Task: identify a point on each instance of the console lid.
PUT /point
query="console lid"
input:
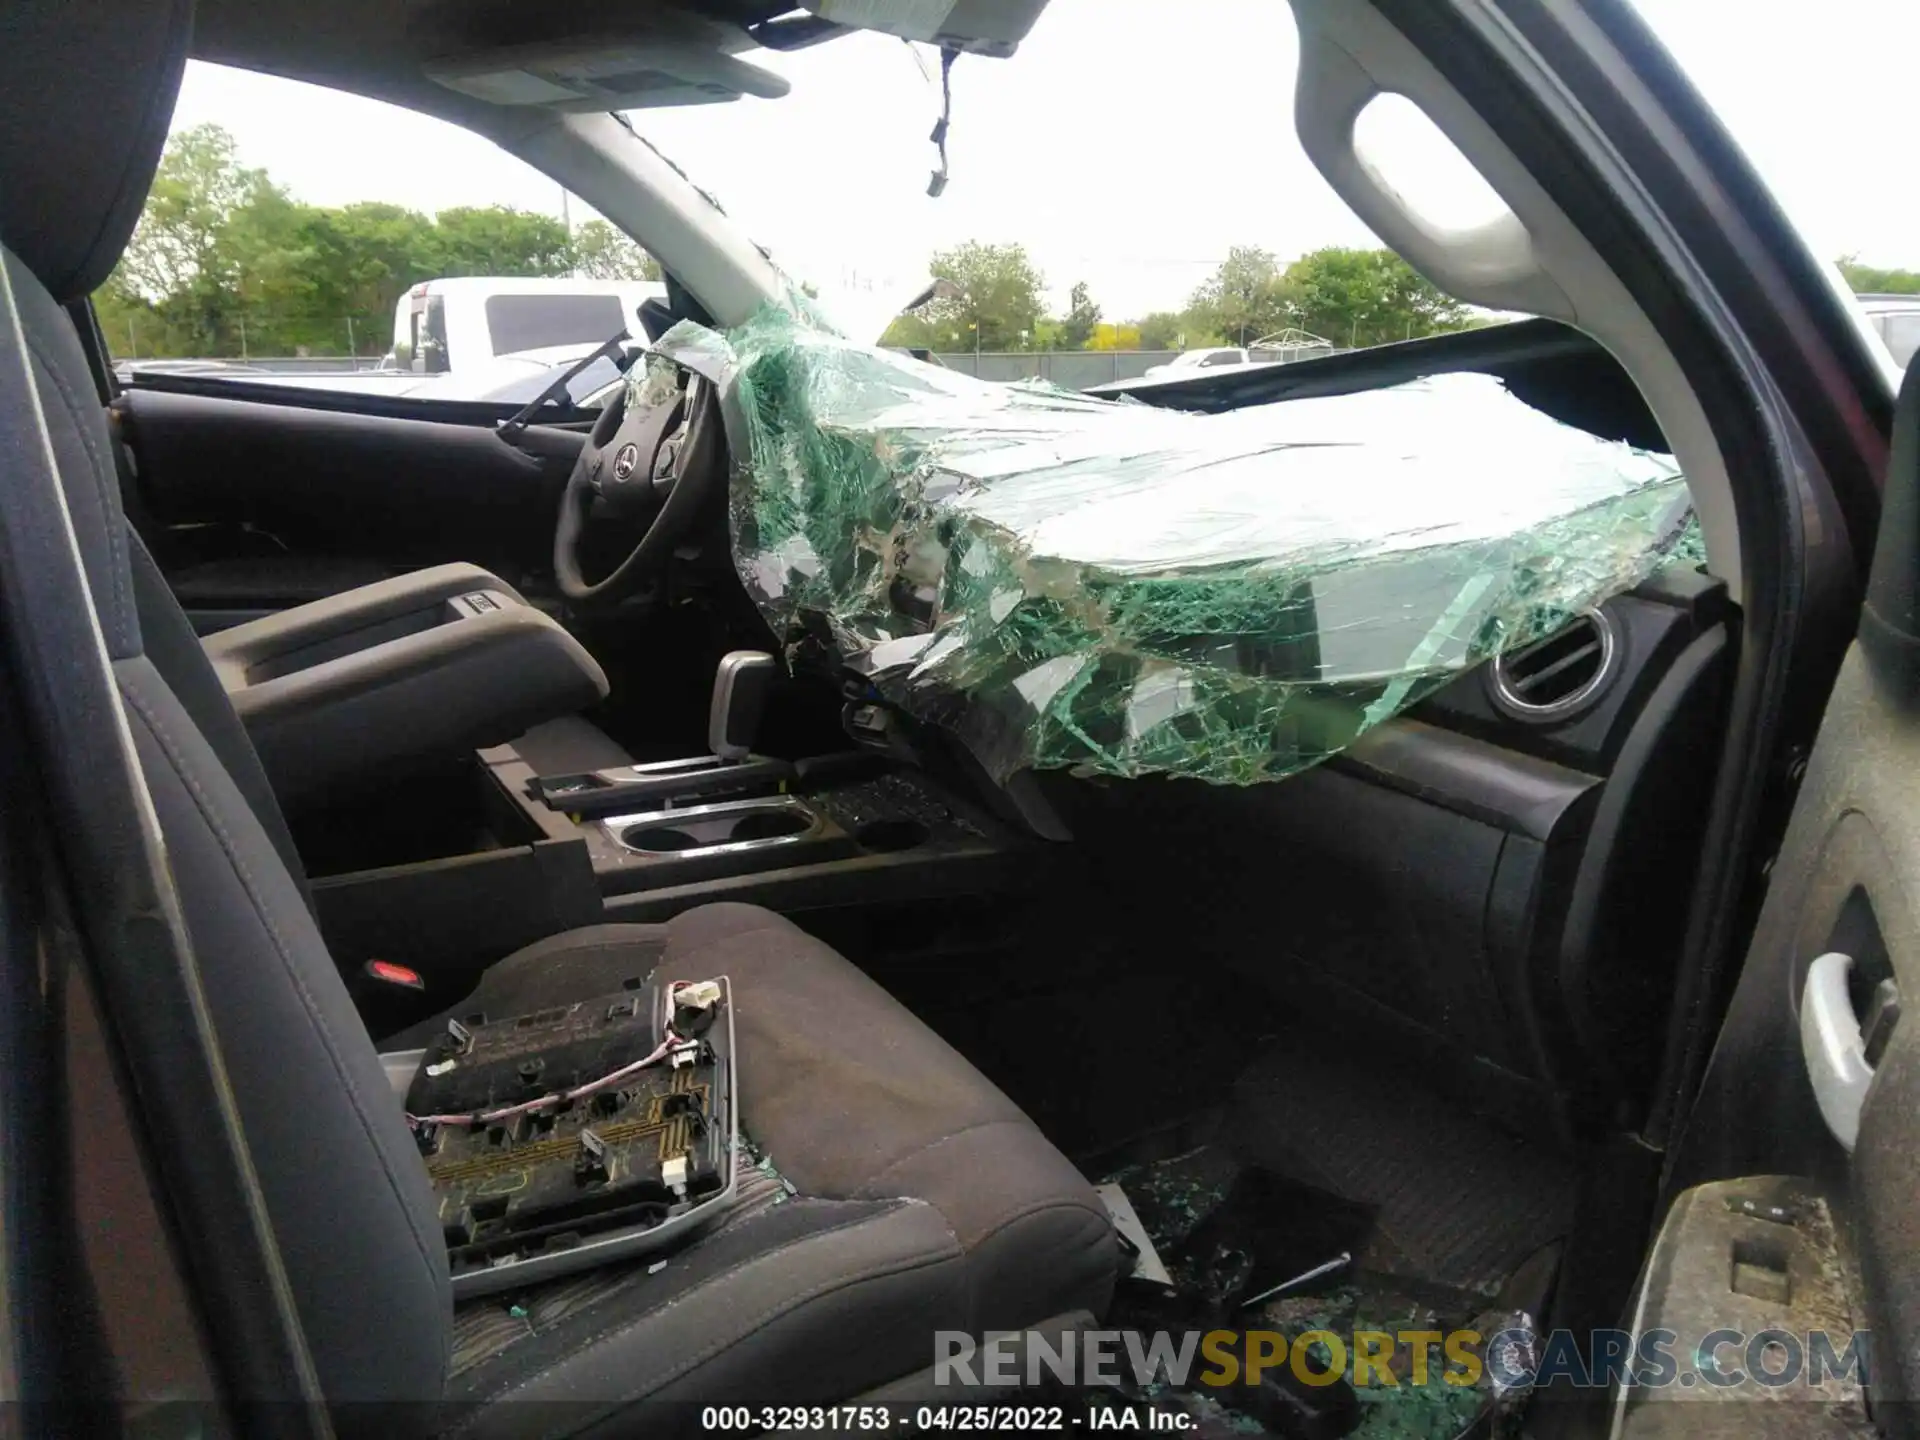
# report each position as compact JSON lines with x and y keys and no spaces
{"x":364,"y":684}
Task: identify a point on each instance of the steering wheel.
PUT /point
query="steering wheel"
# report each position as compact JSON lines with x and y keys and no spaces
{"x":654,"y":468}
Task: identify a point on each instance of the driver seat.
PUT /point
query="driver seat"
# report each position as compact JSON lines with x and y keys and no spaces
{"x":916,"y":1197}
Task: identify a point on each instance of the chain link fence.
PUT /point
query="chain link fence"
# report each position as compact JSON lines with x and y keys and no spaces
{"x":1069,"y":369}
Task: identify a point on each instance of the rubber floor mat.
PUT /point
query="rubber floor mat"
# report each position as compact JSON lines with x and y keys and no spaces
{"x":1457,"y":1201}
{"x":1204,"y":1205}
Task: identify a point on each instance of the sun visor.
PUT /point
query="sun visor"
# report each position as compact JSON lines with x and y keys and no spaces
{"x":1115,"y":588}
{"x":627,"y":73}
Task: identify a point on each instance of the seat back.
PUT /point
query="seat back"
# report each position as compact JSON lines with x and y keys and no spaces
{"x":86,"y":92}
{"x":168,"y":640}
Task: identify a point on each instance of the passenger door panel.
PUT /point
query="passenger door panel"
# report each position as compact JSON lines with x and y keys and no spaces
{"x":1842,"y":884}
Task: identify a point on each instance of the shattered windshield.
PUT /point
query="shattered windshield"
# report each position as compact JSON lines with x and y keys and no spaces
{"x":1118,"y":589}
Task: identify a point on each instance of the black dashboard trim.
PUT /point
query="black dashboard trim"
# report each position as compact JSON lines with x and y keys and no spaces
{"x":1508,"y":789}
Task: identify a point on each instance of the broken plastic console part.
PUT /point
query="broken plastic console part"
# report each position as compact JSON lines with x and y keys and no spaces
{"x":1069,"y":582}
{"x":577,"y":1135}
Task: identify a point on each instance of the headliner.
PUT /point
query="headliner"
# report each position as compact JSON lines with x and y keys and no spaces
{"x":377,"y":47}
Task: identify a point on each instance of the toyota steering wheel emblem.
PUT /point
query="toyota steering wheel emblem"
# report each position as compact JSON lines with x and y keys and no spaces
{"x":625,"y":462}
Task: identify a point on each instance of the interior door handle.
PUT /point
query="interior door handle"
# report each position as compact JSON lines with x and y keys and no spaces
{"x":1835,"y":1049}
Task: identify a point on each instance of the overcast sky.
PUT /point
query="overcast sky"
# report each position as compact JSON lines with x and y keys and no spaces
{"x":1123,"y":145}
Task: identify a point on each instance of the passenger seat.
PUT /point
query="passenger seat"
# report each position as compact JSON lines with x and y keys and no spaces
{"x":923,"y":1199}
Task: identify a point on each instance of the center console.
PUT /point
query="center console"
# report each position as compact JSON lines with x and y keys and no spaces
{"x":641,"y":843}
{"x":733,"y":823}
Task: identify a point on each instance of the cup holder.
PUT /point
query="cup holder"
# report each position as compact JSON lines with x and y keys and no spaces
{"x":716,"y":829}
{"x":769,"y":825}
{"x":658,"y":839}
{"x":887,"y":837}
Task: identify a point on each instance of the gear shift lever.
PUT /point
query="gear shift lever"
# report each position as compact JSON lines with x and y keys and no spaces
{"x":741,"y":686}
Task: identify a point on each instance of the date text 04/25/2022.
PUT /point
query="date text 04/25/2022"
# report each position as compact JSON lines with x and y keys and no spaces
{"x":975,"y":1419}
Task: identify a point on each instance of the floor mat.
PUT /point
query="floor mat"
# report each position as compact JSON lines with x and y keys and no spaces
{"x":1110,"y":1035}
{"x":1458,"y":1202}
{"x":1225,"y":1229}
{"x":1091,"y":1036}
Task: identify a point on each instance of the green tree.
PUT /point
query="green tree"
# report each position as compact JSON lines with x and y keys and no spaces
{"x":995,"y":298}
{"x":1050,"y":334}
{"x":601,"y":252}
{"x":1162,"y":330}
{"x":912,"y":332}
{"x":132,"y":326}
{"x":198,"y":254}
{"x":365,"y":256}
{"x":1869,"y":280}
{"x":225,"y":262}
{"x":1242,"y":300}
{"x":179,"y":240}
{"x":499,"y":240}
{"x":1365,"y":297}
{"x":1082,"y":316}
{"x":274,"y":274}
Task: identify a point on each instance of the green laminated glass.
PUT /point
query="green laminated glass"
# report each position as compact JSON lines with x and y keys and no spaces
{"x":1117,"y":588}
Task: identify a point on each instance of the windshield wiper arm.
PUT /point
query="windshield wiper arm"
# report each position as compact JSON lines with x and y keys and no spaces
{"x":511,"y":427}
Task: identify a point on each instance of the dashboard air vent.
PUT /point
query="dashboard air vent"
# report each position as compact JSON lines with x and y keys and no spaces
{"x":1555,"y":678}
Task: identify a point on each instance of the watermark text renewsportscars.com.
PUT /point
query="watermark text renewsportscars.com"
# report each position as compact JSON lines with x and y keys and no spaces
{"x":1517,"y":1359}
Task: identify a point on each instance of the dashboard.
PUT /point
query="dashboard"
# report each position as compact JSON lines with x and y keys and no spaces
{"x":1495,"y":882}
{"x":1500,"y":894}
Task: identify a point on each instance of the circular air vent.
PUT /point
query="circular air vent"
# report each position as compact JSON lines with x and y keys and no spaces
{"x":1559,"y":676}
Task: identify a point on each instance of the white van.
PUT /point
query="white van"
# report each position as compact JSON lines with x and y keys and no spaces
{"x":443,"y":326}
{"x":1897,"y":319}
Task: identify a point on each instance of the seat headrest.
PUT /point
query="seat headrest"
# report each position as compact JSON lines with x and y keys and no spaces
{"x":86,"y":94}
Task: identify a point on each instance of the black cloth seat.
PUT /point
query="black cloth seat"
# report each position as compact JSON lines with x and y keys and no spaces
{"x":921,"y":1198}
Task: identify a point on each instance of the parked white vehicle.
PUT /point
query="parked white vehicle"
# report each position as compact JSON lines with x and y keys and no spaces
{"x":1194,"y":361}
{"x":1896,"y":319}
{"x":518,"y":376}
{"x":454,"y":325}
{"x":1275,"y":349}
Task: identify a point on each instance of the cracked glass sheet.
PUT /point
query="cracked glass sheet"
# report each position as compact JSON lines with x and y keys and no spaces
{"x":1125,"y":590}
